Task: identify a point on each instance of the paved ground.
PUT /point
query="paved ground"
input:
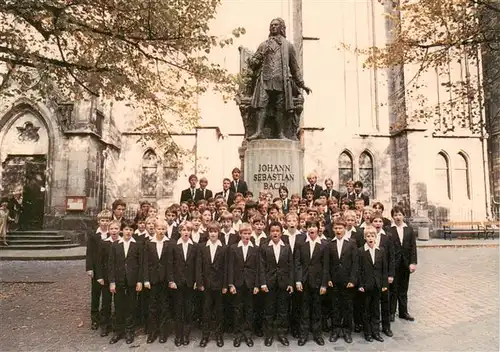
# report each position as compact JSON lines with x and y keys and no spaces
{"x":454,"y":297}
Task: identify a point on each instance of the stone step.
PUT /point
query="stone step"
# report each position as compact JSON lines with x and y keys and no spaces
{"x":17,"y":241}
{"x":33,"y":233}
{"x":39,"y":246}
{"x":15,"y":236}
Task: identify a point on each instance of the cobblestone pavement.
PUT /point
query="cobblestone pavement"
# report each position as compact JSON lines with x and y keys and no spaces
{"x":454,"y":295}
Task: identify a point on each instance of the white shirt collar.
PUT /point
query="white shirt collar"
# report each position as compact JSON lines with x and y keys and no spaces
{"x":317,"y":240}
{"x":110,"y":239}
{"x":101,"y":232}
{"x":231,"y":231}
{"x":164,"y":239}
{"x":394,"y":225}
{"x":189,"y":241}
{"x":280,"y":243}
{"x":287,"y":233}
{"x":382,"y":232}
{"x":240,"y":243}
{"x":342,"y":239}
{"x":367,"y":247}
{"x":217,"y":243}
{"x":122,"y":240}
{"x":262,"y":235}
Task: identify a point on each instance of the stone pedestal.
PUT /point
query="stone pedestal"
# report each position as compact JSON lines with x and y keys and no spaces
{"x":271,"y":163}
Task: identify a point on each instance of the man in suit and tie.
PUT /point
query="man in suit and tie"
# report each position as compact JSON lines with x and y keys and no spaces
{"x":203,"y":192}
{"x":329,"y":192}
{"x":311,"y":278}
{"x":125,"y":279}
{"x":343,"y":271}
{"x":358,"y":193}
{"x":312,"y":178}
{"x":190,"y":193}
{"x":226,"y":193}
{"x":285,"y":202}
{"x":238,"y":185}
{"x":405,"y":259}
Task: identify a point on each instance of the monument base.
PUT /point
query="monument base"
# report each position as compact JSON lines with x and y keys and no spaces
{"x":271,"y":163}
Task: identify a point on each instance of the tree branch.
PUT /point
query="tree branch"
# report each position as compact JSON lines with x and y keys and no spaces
{"x":486,"y":4}
{"x":7,"y":75}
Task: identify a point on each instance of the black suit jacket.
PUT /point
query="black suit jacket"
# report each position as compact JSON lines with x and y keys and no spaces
{"x":406,"y":251}
{"x":317,"y":191}
{"x":386,"y":242}
{"x":155,"y":268}
{"x":179,"y":270}
{"x":353,"y":196}
{"x":243,"y":271}
{"x":102,"y":268}
{"x":331,"y":194}
{"x":125,"y":270}
{"x":276,"y":275}
{"x":372,"y":276}
{"x":213,"y":276}
{"x":174,"y":236}
{"x":344,"y":269}
{"x":230,"y":198}
{"x":199,"y":194}
{"x":234,"y":238}
{"x":92,"y":253}
{"x":312,"y":271}
{"x":242,"y":187}
{"x":186,"y":195}
{"x":300,"y":238}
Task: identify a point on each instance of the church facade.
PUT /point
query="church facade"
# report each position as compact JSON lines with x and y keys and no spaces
{"x":72,"y":159}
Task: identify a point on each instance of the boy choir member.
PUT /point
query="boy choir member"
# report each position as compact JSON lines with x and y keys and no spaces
{"x":276,"y":281}
{"x":118,"y":208}
{"x":228,"y":236}
{"x":227,"y":193}
{"x":92,"y":261}
{"x":329,"y":192}
{"x":181,"y":268}
{"x":343,"y":271}
{"x":405,"y":259}
{"x":102,"y":276}
{"x":311,"y":276}
{"x":242,"y":279}
{"x":211,"y":279}
{"x":172,"y":231}
{"x":384,"y":240}
{"x":155,"y":280}
{"x":285,"y":202}
{"x":294,"y":238}
{"x":373,"y":281}
{"x":198,"y":234}
{"x":125,"y":279}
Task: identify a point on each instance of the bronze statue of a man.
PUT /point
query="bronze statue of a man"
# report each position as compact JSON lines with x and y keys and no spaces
{"x":276,"y":62}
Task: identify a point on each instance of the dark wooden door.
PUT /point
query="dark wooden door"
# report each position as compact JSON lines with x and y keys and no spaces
{"x":27,"y":172}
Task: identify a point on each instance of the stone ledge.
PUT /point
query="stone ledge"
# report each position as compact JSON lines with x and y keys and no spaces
{"x":76,"y":253}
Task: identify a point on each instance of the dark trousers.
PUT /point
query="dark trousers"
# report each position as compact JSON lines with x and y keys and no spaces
{"x":197,"y":306}
{"x":385,"y":299}
{"x":295,"y":312}
{"x":158,"y":314}
{"x":107,"y":297}
{"x":183,"y":310}
{"x":371,"y":311}
{"x":399,"y":289}
{"x":125,"y":300}
{"x":326,"y":308}
{"x":259,"y":310}
{"x":142,"y":310}
{"x":311,"y":312}
{"x":212,"y":305}
{"x":276,"y":309}
{"x":228,"y":306}
{"x":342,"y":306}
{"x":95,"y":298}
{"x":243,"y":312}
{"x":357,"y":308}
